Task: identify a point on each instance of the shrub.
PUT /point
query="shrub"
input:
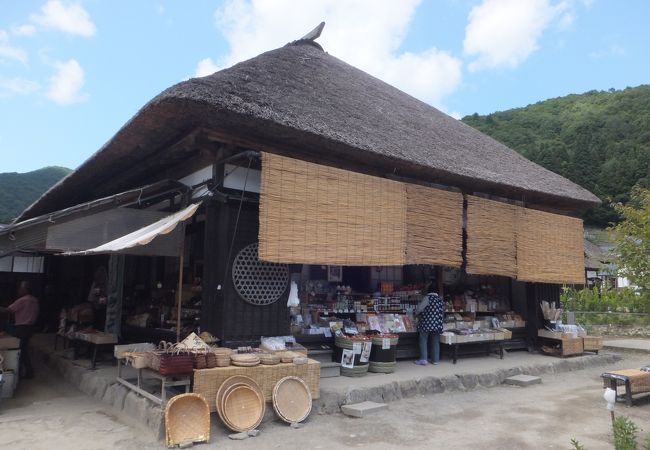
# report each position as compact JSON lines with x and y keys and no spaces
{"x":624,"y":434}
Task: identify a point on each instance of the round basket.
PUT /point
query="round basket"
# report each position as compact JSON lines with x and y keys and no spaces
{"x":221,"y":351}
{"x":356,"y":371}
{"x":270,"y":359}
{"x":381,"y":355}
{"x":244,"y":360}
{"x":187,"y":419}
{"x":287,"y":357}
{"x":242,"y":408}
{"x":381,"y":367}
{"x":292,"y":399}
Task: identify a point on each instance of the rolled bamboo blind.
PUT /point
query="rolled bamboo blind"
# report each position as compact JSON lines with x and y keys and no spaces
{"x":434,"y":223}
{"x":491,"y":237}
{"x":550,"y":248}
{"x":314,"y":214}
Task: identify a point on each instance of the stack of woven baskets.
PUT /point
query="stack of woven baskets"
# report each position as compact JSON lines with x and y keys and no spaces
{"x":240,"y":403}
{"x":245,"y":359}
{"x":383,"y":354}
{"x":219,"y":357}
{"x":359,"y":365}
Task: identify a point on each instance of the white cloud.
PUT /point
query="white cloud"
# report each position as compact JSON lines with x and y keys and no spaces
{"x":610,"y":50}
{"x":24,"y":30}
{"x":9,"y":52}
{"x":503,"y":33}
{"x":67,"y":17}
{"x":17,"y":86}
{"x":205,"y":67}
{"x":66,"y":84}
{"x":364,"y":33}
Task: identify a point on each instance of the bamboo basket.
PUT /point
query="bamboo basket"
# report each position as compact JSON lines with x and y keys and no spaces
{"x":187,"y":419}
{"x":242,"y":408}
{"x":292,"y":399}
{"x":208,"y":381}
{"x":139,"y":360}
{"x":592,"y":343}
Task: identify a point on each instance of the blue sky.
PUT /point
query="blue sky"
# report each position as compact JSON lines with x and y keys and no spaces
{"x":73,"y":72}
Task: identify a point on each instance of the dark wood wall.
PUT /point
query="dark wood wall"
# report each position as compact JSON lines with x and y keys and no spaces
{"x":224,"y":313}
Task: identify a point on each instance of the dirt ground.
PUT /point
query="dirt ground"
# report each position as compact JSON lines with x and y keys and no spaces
{"x":48,"y":413}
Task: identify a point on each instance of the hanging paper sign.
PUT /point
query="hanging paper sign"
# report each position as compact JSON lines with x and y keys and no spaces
{"x":356,"y":347}
{"x":385,"y":343}
{"x":347,"y":359}
{"x":365,"y":354}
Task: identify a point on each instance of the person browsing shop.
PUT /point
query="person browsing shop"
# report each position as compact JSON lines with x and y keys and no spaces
{"x":25,"y":311}
{"x":430,"y":316}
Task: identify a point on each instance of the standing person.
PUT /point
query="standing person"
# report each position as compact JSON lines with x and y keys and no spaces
{"x":430,"y":314}
{"x":25,"y":310}
{"x":97,"y":297}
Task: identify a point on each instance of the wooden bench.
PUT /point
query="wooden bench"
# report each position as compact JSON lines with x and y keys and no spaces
{"x":635,"y":381}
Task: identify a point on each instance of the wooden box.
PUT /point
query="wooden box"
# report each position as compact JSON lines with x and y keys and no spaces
{"x":592,"y":343}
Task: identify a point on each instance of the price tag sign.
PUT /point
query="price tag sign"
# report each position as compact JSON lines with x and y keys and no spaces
{"x":385,"y":343}
{"x":365,"y":354}
{"x":327,"y":332}
{"x":356,"y":347}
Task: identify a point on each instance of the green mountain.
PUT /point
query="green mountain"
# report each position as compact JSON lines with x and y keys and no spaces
{"x":599,"y":140}
{"x":19,"y":190}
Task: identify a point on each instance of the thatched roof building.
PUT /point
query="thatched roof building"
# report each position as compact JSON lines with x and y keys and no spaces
{"x":303,"y":102}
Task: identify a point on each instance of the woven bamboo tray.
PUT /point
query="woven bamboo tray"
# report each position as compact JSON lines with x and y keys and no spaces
{"x":242,"y":408}
{"x":292,"y":399}
{"x":236,"y":380}
{"x":187,"y":419}
{"x":208,"y":381}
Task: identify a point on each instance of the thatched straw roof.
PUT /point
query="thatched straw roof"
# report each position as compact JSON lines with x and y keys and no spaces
{"x":299,"y":97}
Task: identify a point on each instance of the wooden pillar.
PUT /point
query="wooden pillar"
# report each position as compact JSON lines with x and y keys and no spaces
{"x":114,"y":294}
{"x":214,"y":266}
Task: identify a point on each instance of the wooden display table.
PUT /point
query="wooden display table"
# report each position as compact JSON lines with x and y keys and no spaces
{"x":165,"y":382}
{"x":97,"y":341}
{"x":569,"y":345}
{"x":208,"y":381}
{"x":485,"y":347}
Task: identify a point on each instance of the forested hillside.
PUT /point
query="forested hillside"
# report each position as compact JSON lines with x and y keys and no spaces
{"x":19,"y":190}
{"x":599,"y":139}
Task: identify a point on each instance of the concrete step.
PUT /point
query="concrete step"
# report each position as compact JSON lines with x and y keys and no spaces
{"x":522,"y":380}
{"x":363,"y":409}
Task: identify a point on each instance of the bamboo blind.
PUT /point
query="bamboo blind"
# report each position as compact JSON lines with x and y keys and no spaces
{"x":491,"y":237}
{"x":550,"y":248}
{"x":434,"y":226}
{"x":314,"y":214}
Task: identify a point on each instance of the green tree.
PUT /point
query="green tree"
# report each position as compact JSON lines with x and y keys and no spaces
{"x":632,"y":237}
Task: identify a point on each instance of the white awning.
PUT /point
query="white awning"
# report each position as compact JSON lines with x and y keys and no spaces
{"x":144,"y":235}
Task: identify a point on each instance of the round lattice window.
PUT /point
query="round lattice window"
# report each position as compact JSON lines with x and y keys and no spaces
{"x":258,"y":282}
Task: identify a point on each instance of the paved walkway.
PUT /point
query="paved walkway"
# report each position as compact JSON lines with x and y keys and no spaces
{"x":641,"y":345}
